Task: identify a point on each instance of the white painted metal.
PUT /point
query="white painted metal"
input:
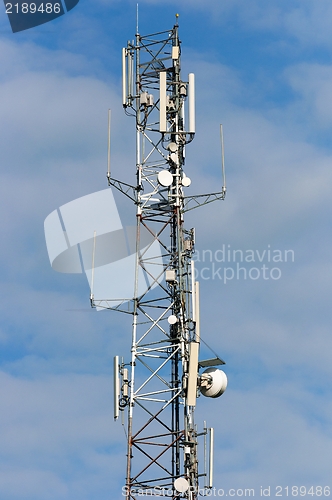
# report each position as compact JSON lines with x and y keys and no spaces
{"x":109,"y":146}
{"x":198,"y":326}
{"x":213,"y":382}
{"x":93,"y":265}
{"x":124,"y":77}
{"x":193,"y":292}
{"x":211,"y":457}
{"x":162,"y":101}
{"x":191,"y":96}
{"x":172,"y":147}
{"x":205,"y":454}
{"x":186,"y":181}
{"x":165,"y":178}
{"x":116,"y":387}
{"x":193,"y":373}
{"x":222,"y":159}
{"x":175,"y":52}
{"x":181,"y":484}
{"x":172,"y":319}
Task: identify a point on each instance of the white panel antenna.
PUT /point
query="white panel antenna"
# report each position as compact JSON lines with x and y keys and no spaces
{"x":124,"y":77}
{"x":116,"y":387}
{"x":193,"y":291}
{"x":191,"y":103}
{"x":208,"y":474}
{"x":127,"y":77}
{"x":198,"y":326}
{"x":193,"y":374}
{"x":162,"y":102}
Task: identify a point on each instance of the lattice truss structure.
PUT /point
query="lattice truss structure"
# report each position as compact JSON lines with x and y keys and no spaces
{"x":157,"y":388}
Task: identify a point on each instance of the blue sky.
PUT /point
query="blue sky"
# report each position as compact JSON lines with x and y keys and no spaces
{"x":264,"y":70}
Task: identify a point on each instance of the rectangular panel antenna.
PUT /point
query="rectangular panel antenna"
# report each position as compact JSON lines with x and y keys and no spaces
{"x":198,"y":326}
{"x":124,"y":77}
{"x":193,"y":372}
{"x":116,"y":390}
{"x":191,"y":103}
{"x":162,"y":101}
{"x":193,"y":295}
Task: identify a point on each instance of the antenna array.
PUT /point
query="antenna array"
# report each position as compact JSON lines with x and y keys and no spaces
{"x":157,"y":387}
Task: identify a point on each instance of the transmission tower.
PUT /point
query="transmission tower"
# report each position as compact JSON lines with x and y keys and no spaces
{"x":157,"y":387}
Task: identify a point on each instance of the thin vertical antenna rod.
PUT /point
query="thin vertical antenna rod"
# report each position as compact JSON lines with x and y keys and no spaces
{"x":137,"y":18}
{"x":211,"y":457}
{"x":205,"y":454}
{"x":193,"y":292}
{"x":222,"y":159}
{"x":93,"y":266}
{"x":109,"y":146}
{"x":116,"y":389}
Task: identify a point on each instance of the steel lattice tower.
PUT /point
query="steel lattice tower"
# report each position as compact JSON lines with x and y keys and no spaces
{"x":157,"y":387}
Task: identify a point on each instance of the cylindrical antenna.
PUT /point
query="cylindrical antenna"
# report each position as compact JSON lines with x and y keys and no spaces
{"x":93,"y":265}
{"x":198,"y":326}
{"x":211,"y":445}
{"x":191,"y":103}
{"x":222,"y":159}
{"x":137,"y":19}
{"x":124,"y":77}
{"x":109,"y":146}
{"x":162,"y":102}
{"x":116,"y":391}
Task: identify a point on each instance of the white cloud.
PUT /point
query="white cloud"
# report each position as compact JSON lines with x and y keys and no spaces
{"x":273,"y":434}
{"x":56,"y":437}
{"x":312,"y":84}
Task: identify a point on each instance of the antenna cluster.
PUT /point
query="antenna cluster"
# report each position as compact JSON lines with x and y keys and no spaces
{"x":156,"y":389}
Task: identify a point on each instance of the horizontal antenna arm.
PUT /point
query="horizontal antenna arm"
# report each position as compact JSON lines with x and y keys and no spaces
{"x":123,"y":187}
{"x":201,"y":199}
